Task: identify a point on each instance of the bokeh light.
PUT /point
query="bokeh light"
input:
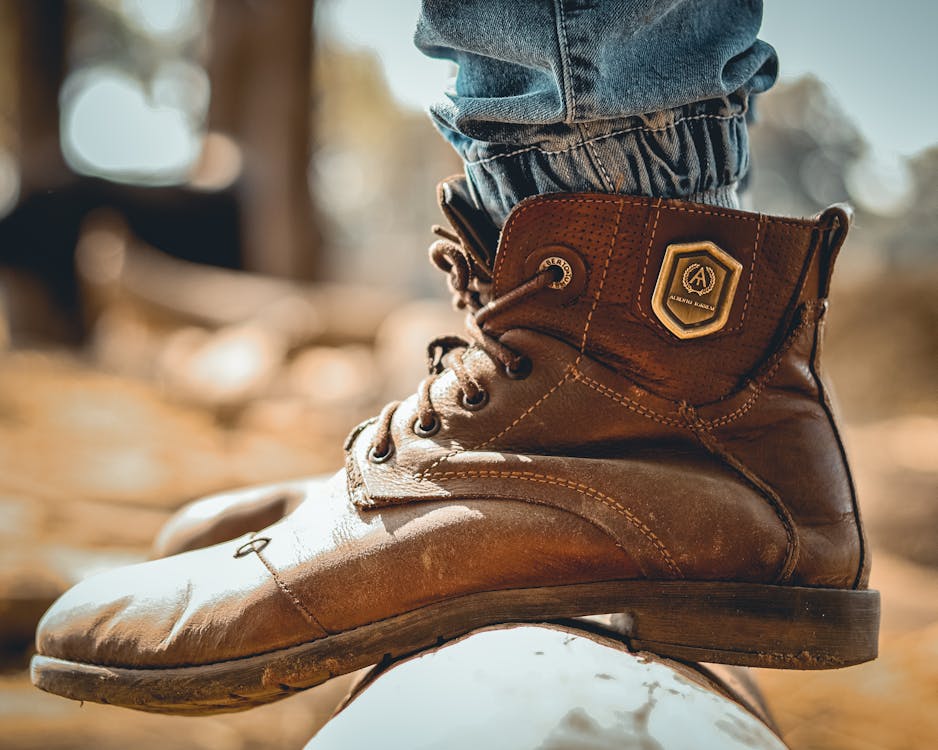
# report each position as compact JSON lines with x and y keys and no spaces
{"x":111,"y":128}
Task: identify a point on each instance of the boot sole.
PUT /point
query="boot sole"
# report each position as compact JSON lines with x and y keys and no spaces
{"x":748,"y":624}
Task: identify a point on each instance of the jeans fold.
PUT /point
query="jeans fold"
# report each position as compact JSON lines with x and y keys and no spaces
{"x":644,"y":97}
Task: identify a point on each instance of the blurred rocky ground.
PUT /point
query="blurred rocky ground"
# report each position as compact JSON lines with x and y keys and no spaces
{"x":193,"y":379}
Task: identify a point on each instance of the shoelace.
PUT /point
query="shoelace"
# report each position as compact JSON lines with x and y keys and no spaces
{"x":471,"y":288}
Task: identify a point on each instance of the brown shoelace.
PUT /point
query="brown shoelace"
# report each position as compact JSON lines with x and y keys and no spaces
{"x":471,"y":288}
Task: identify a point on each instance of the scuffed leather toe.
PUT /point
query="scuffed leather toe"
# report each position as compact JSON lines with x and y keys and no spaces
{"x":189,"y":609}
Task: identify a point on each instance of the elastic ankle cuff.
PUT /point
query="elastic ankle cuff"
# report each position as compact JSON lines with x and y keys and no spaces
{"x":725,"y":197}
{"x":694,"y":153}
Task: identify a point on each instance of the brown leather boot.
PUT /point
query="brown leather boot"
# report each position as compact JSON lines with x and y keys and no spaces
{"x":638,"y":425}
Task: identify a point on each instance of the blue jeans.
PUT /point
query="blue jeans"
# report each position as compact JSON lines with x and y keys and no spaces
{"x":645,"y":97}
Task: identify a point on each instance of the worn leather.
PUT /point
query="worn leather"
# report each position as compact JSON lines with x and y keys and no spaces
{"x":226,"y":516}
{"x":625,"y":453}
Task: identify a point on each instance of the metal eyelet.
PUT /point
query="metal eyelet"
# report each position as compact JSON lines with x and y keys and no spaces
{"x":380,"y":458}
{"x":563,"y":271}
{"x":253,"y":545}
{"x":569,"y":273}
{"x":521,"y":370}
{"x":480,"y":400}
{"x":426,"y":432}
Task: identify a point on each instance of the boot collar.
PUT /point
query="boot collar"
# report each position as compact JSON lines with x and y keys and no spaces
{"x":475,"y":229}
{"x":686,"y":299}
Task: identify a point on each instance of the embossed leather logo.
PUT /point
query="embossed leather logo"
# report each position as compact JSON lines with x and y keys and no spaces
{"x":695,"y":290}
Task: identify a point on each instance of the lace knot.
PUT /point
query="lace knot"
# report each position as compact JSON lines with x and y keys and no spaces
{"x":471,"y":286}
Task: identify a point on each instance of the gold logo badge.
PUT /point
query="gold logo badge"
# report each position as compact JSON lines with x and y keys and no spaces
{"x":695,"y":289}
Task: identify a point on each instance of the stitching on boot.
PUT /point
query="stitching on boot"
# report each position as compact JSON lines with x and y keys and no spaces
{"x":651,"y":241}
{"x":569,"y":371}
{"x":354,"y":482}
{"x":825,"y":402}
{"x":566,"y":376}
{"x":531,"y":476}
{"x":625,"y":401}
{"x":744,"y":216}
{"x":307,"y":615}
{"x":513,"y":219}
{"x":760,"y":231}
{"x":760,"y":235}
{"x":793,"y":544}
{"x":602,"y":284}
{"x":757,"y":385}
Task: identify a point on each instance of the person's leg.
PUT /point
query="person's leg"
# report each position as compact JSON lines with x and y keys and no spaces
{"x":641,"y":97}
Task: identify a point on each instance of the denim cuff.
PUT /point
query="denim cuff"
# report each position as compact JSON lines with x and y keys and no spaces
{"x":698,"y":152}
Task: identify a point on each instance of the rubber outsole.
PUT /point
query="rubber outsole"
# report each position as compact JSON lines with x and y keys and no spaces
{"x":758,"y":625}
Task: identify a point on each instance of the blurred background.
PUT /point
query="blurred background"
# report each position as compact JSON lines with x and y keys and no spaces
{"x":192,"y":192}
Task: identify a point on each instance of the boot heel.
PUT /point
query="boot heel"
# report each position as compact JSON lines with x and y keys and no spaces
{"x":755,"y":625}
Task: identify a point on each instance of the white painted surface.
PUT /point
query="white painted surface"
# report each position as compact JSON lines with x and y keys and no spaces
{"x":537,"y":687}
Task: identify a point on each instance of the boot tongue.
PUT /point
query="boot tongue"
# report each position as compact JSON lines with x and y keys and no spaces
{"x":476,"y":230}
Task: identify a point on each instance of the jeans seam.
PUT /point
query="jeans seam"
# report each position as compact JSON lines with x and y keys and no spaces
{"x":736,"y":116}
{"x":569,"y":98}
{"x":594,"y":155}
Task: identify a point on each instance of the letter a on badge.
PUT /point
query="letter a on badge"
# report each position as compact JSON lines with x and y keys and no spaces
{"x":696,"y":288}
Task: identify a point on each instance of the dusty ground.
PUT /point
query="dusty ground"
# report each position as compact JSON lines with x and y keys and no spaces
{"x":92,"y":463}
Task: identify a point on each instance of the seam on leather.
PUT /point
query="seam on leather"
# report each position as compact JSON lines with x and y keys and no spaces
{"x":602,"y":284}
{"x":534,"y":203}
{"x":793,"y":545}
{"x":742,"y":216}
{"x":531,"y":476}
{"x":825,"y":403}
{"x":757,"y":386}
{"x":353,"y":478}
{"x":625,"y":401}
{"x":566,"y":376}
{"x":760,"y":232}
{"x":651,"y":242}
{"x":288,"y":592}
